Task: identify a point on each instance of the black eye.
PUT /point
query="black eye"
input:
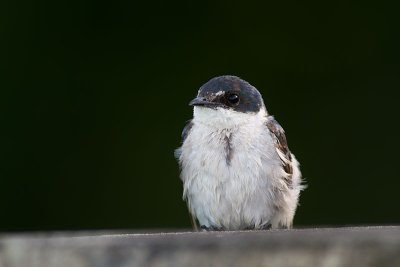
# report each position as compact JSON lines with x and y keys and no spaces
{"x":233,"y":99}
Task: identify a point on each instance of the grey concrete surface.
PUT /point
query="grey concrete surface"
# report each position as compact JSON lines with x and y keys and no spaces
{"x":352,"y":246}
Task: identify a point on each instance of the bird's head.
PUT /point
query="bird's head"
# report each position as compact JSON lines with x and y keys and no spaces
{"x":227,"y":99}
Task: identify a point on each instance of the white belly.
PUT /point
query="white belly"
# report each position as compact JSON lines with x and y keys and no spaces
{"x":235,"y":191}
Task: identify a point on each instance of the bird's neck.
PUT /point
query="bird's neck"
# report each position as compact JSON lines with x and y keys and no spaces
{"x":221,"y":118}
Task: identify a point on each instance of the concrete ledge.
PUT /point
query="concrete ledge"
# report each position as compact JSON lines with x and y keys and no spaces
{"x":357,"y":246}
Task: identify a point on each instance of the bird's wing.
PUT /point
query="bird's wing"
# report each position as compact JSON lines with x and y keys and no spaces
{"x":185,"y":133}
{"x":186,"y":130}
{"x":281,"y":147}
{"x":194,"y":222}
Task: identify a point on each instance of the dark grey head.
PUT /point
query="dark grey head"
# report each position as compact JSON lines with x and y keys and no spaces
{"x":229,"y":92}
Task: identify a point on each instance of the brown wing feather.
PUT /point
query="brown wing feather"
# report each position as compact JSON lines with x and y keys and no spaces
{"x":195,"y":224}
{"x":281,"y":146}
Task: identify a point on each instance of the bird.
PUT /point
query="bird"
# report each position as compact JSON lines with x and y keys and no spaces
{"x":235,"y":164}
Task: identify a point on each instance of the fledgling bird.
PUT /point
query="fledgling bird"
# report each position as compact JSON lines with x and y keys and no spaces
{"x":237,"y":170}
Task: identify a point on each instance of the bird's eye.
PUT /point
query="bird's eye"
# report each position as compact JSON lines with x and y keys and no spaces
{"x":233,"y":99}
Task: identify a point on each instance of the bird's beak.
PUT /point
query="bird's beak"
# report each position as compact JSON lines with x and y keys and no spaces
{"x":200,"y":101}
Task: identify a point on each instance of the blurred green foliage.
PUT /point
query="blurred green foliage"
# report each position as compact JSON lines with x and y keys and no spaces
{"x":93,"y":98}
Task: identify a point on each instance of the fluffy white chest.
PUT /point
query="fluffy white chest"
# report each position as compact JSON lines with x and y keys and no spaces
{"x":231,"y":172}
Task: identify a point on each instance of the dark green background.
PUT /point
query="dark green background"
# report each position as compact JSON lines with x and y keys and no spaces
{"x":93,"y":98}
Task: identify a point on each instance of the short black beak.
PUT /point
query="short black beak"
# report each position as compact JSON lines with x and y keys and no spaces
{"x":200,"y":101}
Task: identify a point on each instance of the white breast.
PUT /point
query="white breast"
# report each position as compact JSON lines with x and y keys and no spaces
{"x":236,"y":190}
